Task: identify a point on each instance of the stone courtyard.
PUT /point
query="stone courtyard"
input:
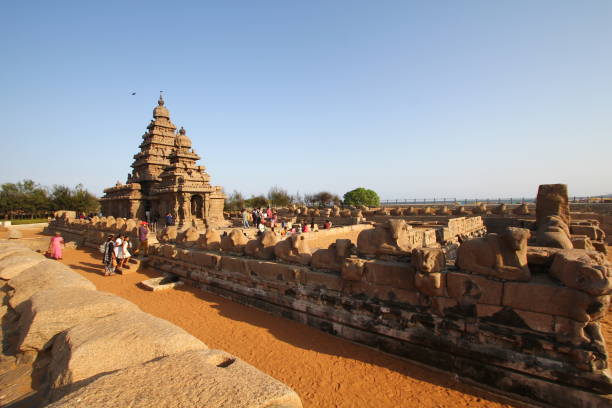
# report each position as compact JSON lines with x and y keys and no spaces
{"x":508,"y":299}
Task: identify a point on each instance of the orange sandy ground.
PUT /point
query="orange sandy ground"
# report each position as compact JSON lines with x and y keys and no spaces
{"x":324,"y":370}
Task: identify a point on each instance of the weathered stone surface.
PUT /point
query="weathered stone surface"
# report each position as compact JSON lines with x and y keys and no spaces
{"x":544,"y":296}
{"x":161,"y":283}
{"x":46,"y":275}
{"x":294,"y":249}
{"x":541,"y":255}
{"x":326,"y":280}
{"x":431,"y":284}
{"x":207,"y":378}
{"x":501,"y":256}
{"x":273,"y":271}
{"x":206,"y":259}
{"x":474,"y":288}
{"x":10,"y":250}
{"x":263,"y":246}
{"x":392,"y":237}
{"x":587,"y":271}
{"x":428,"y":260}
{"x":352,"y":269}
{"x":50,"y":311}
{"x":115,"y":342}
{"x":395,"y":274}
{"x":12,"y":266}
{"x":332,"y":257}
{"x":553,"y":232}
{"x":552,"y":199}
{"x":234,"y":264}
{"x":537,"y":321}
{"x":234,"y":242}
{"x":211,"y":240}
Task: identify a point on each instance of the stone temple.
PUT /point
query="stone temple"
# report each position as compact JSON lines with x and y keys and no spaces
{"x":166,"y":179}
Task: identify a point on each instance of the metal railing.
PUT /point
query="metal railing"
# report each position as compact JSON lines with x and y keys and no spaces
{"x":511,"y":200}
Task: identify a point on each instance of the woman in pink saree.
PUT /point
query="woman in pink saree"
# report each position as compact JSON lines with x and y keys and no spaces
{"x":55,"y":246}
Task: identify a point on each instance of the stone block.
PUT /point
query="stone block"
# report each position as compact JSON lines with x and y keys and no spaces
{"x":46,"y":275}
{"x":274,"y":271}
{"x":234,"y":265}
{"x":395,"y":274}
{"x":352,"y":269}
{"x":51,"y":311}
{"x":483,"y":311}
{"x":440,"y":305}
{"x":431,"y":284}
{"x":159,"y":284}
{"x":478,"y":288}
{"x":112,"y":343}
{"x":544,"y":296}
{"x":327,"y":280}
{"x":590,"y":231}
{"x":207,"y":260}
{"x":12,"y":266}
{"x":541,"y":255}
{"x":206,"y":378}
{"x":10,"y":250}
{"x":537,"y":321}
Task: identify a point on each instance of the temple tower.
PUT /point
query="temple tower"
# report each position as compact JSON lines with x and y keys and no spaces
{"x":166,"y":179}
{"x":155,"y":149}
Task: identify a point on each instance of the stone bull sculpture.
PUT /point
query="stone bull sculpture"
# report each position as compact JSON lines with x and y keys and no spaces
{"x":391,"y":238}
{"x":332,"y":257}
{"x":500,"y":256}
{"x":293,"y":249}
{"x":263,"y":246}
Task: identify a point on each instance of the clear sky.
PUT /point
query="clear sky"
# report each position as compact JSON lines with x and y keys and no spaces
{"x":413,"y":99}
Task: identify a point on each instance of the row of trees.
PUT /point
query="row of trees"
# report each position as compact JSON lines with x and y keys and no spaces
{"x":279,"y":197}
{"x":29,"y":199}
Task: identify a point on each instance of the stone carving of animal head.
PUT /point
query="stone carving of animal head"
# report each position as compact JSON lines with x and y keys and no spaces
{"x":587,"y":271}
{"x":396,"y":227}
{"x":516,"y":238}
{"x":428,"y":260}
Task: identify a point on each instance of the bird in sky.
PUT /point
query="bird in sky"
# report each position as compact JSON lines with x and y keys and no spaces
{"x":133,"y":93}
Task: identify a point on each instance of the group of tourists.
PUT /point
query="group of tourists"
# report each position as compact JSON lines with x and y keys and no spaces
{"x":116,"y":253}
{"x":116,"y":250}
{"x":268,"y":217}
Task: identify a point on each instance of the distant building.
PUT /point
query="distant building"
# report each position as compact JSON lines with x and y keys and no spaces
{"x":165,"y":179}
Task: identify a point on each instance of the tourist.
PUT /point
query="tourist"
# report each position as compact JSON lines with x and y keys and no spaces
{"x":143,"y":236}
{"x":118,"y":249}
{"x":254,"y":215}
{"x":245,"y":218}
{"x":55,"y":246}
{"x":268,"y":213}
{"x":109,"y":259}
{"x":262,"y":227}
{"x":305,"y":227}
{"x":327,"y":224}
{"x":169,"y":220}
{"x":125,"y":252}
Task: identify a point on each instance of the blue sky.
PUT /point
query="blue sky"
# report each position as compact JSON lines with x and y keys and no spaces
{"x":412,"y":99}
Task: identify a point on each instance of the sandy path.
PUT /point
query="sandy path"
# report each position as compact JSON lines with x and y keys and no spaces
{"x":326,"y":371}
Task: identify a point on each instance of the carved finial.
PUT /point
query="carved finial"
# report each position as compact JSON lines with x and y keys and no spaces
{"x":160,"y":102}
{"x":182,"y":131}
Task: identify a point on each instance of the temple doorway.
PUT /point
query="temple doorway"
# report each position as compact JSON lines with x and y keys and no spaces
{"x":197,"y":204}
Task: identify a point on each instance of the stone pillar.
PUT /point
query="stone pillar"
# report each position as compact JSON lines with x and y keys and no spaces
{"x":552,"y":200}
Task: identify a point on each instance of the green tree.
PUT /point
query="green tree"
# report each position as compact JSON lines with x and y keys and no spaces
{"x":235,"y":201}
{"x":362,"y":196}
{"x":257,"y":201}
{"x":279,"y":197}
